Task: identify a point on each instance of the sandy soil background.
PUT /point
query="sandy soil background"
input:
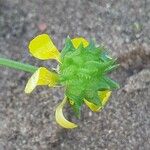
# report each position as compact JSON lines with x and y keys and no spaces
{"x":27,"y":121}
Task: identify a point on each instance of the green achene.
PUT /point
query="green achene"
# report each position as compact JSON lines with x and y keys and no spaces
{"x":83,"y":72}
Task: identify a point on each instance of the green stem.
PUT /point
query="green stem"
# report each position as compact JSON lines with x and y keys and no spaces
{"x":17,"y":65}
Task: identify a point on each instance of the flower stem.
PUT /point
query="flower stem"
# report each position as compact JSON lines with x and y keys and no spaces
{"x":17,"y":65}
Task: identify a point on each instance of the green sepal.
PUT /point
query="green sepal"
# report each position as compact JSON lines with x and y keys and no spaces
{"x":92,"y":96}
{"x":103,"y":85}
{"x":111,"y":68}
{"x":68,"y":47}
{"x":91,"y":45}
{"x":77,"y":103}
{"x":113,"y":85}
{"x":107,"y":64}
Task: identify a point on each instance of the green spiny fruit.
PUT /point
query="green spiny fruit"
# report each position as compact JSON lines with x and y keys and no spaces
{"x":83,"y":73}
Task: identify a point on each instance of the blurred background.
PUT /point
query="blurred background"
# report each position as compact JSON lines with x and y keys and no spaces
{"x":27,"y":121}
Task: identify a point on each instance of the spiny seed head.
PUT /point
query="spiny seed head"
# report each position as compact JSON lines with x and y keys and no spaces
{"x":83,"y":73}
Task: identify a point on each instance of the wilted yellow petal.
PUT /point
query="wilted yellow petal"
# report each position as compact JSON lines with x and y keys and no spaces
{"x":104,"y":96}
{"x":41,"y":77}
{"x":43,"y":48}
{"x":60,"y":119}
{"x":77,"y":41}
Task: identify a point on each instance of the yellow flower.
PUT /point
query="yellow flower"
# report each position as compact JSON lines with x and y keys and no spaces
{"x":43,"y":48}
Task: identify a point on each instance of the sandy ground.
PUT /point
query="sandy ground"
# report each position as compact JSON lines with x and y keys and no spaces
{"x":27,"y":121}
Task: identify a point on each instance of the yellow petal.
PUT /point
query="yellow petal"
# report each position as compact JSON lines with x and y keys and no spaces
{"x":91,"y":105}
{"x":60,"y":119}
{"x":41,"y":77}
{"x":43,"y":48}
{"x":77,"y":41}
{"x":104,"y":96}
